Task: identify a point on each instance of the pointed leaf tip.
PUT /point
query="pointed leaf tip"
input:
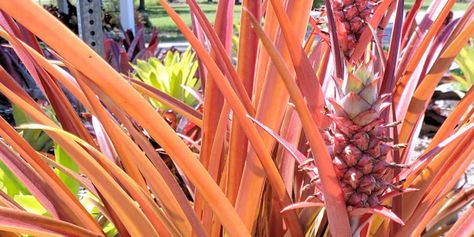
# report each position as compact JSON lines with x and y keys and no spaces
{"x":380,"y":210}
{"x":302,"y":205}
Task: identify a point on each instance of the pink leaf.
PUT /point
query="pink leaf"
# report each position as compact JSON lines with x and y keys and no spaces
{"x":380,"y":210}
{"x":299,"y":157}
{"x":394,"y":193}
{"x":302,"y":205}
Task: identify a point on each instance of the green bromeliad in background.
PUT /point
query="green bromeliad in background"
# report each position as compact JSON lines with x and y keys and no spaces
{"x":175,"y":75}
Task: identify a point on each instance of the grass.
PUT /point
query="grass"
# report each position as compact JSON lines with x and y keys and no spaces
{"x":458,"y":6}
{"x":160,"y":19}
{"x":168,"y":31}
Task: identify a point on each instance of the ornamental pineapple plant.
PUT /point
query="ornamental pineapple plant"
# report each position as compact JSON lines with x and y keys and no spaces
{"x":245,"y":173}
{"x":358,"y":139}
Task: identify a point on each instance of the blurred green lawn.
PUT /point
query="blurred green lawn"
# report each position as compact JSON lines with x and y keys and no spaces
{"x":168,"y":31}
{"x":458,"y":6}
{"x":159,"y":18}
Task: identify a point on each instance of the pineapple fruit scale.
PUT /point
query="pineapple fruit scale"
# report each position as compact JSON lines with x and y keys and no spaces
{"x":358,"y":141}
{"x":352,"y":16}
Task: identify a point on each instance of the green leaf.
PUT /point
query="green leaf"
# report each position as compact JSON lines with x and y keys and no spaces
{"x":86,"y":201}
{"x":30,"y":203}
{"x":19,"y":116}
{"x":64,"y":159}
{"x":36,"y":138}
{"x":9,"y":183}
{"x":465,"y":60}
{"x":110,"y":230}
{"x":169,"y":76}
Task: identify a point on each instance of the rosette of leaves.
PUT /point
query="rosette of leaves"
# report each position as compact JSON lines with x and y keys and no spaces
{"x":174,"y":75}
{"x":465,"y":60}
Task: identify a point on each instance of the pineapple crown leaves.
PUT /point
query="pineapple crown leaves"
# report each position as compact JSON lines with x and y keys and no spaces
{"x":359,"y":77}
{"x":359,"y":96}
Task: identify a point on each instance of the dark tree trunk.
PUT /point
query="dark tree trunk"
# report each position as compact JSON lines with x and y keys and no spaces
{"x":141,"y":6}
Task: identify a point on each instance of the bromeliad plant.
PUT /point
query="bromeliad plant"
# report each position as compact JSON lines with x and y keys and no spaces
{"x":174,"y":75}
{"x":120,"y":52}
{"x":303,"y":136}
{"x":465,"y":60}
